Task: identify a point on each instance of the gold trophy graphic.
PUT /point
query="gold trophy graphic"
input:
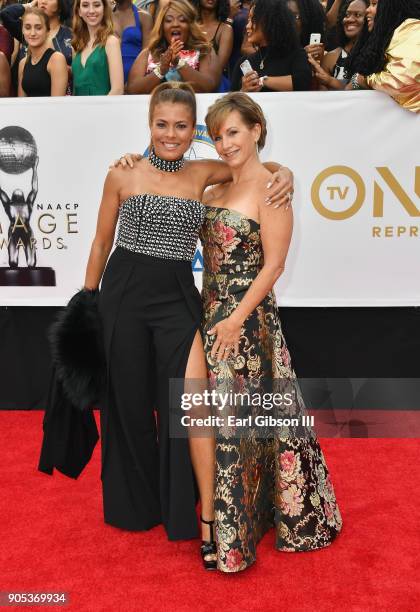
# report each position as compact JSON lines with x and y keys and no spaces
{"x":18,"y":153}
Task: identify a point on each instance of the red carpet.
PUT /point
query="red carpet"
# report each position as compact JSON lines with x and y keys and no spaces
{"x":53,"y":539}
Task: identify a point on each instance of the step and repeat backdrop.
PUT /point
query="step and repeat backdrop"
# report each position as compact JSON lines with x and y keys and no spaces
{"x":355,"y":156}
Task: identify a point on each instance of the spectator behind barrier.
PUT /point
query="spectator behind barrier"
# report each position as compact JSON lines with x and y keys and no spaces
{"x":238,"y":18}
{"x":279,"y":64}
{"x":43,"y":72}
{"x":178,"y":51}
{"x":310,"y":19}
{"x":133,"y":26}
{"x":351,"y":26}
{"x":57,"y":11}
{"x":361,"y":42}
{"x":390,"y":60}
{"x":97,"y":65}
{"x":212,"y":15}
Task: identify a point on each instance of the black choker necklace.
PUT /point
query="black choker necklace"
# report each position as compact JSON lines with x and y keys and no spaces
{"x":164,"y":164}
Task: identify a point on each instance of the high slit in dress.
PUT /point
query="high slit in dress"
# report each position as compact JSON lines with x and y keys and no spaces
{"x":150,"y":311}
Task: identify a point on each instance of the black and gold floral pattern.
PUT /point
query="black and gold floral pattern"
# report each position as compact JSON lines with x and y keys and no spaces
{"x":282,"y":481}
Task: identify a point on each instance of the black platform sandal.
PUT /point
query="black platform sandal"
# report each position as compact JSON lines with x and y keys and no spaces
{"x":209,"y":548}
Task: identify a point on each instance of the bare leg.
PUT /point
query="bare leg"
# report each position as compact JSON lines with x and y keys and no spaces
{"x":202,"y":449}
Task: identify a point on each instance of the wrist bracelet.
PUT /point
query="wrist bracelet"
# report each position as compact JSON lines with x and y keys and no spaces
{"x":156,"y":71}
{"x":354,"y":81}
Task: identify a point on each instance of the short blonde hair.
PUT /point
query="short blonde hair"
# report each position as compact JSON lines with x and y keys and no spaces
{"x":251,"y":113}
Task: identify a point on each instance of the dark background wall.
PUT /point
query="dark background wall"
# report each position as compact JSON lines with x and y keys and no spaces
{"x":324,"y":342}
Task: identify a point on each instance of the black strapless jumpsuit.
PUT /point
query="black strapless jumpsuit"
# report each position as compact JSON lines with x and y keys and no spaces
{"x":151,"y":311}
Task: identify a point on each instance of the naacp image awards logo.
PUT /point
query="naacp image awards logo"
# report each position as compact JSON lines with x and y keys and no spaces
{"x":18,"y":155}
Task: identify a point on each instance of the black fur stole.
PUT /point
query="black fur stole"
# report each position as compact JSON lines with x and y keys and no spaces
{"x":76,"y":342}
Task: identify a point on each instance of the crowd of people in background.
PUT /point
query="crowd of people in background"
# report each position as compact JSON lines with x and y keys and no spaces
{"x":103,"y":47}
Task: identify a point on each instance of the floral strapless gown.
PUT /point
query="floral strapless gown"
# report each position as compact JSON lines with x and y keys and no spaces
{"x":282,"y":481}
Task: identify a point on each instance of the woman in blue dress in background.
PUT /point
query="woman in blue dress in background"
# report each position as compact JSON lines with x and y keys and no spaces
{"x":133,"y":27}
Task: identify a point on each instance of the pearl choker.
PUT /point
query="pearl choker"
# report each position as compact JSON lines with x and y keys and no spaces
{"x":164,"y":164}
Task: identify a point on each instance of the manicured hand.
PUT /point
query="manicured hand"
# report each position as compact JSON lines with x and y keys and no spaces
{"x":281,"y":188}
{"x":176,"y":46}
{"x":227,"y":334}
{"x":128,"y":159}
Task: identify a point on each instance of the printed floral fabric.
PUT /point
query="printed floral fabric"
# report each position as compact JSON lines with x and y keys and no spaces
{"x":280,"y":481}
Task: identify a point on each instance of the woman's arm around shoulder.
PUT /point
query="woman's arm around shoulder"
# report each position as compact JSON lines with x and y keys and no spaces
{"x":210,"y":171}
{"x":115,"y":65}
{"x":58,"y":70}
{"x":216,"y":172}
{"x":105,"y":228}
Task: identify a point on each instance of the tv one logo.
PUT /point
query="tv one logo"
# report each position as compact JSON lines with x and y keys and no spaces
{"x":339,"y":192}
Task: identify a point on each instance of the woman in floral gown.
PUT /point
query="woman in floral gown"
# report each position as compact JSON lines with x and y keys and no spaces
{"x":282,"y":479}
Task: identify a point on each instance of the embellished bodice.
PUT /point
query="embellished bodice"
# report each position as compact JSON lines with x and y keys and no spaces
{"x":231,"y":242}
{"x":160,"y":226}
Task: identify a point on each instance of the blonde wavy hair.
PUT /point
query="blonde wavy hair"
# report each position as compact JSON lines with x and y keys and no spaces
{"x":196,"y":39}
{"x":81,"y":33}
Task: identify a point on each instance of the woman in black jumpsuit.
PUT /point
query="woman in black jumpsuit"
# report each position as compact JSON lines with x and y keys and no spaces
{"x":150,"y":310}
